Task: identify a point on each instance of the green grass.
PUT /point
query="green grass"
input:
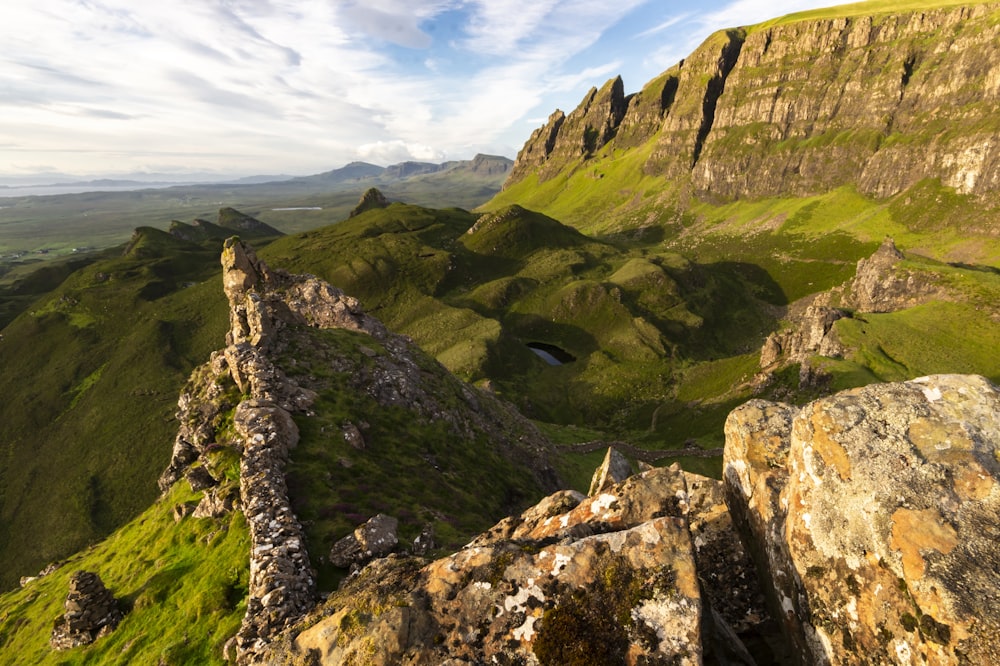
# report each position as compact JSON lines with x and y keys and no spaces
{"x":938,"y":337}
{"x":92,"y":372}
{"x":183,"y":586}
{"x":868,"y":8}
{"x":418,"y":469}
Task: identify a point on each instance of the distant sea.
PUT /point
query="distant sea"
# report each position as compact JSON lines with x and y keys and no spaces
{"x":77,"y":188}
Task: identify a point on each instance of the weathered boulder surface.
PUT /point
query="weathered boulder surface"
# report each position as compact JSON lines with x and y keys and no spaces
{"x":91,"y":612}
{"x":609,"y":579}
{"x":376,"y":538}
{"x":875,"y":515}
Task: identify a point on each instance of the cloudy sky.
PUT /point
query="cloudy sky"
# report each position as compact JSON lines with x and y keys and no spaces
{"x":238,"y":87}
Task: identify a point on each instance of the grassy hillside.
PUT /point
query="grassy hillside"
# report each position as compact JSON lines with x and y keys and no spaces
{"x":91,"y":372}
{"x":183,"y":586}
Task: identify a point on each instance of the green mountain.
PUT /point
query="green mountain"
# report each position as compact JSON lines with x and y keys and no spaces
{"x":653,"y":261}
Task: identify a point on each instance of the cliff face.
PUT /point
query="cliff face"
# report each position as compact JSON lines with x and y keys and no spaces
{"x":580,"y":134}
{"x":800,"y":108}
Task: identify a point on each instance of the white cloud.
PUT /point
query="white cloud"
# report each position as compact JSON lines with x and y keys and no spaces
{"x":391,"y":152}
{"x":299,"y":86}
{"x":669,"y":23}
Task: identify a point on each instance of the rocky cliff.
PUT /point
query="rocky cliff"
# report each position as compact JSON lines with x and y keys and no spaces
{"x":252,"y":393}
{"x":801,"y":107}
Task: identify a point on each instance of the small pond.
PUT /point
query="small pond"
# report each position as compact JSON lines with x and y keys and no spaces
{"x":551,"y":354}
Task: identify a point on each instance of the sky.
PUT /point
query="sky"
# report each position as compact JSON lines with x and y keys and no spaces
{"x":103,"y":88}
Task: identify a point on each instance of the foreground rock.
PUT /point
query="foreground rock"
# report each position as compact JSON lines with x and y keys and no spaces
{"x":608,"y":579}
{"x":91,"y":612}
{"x":874,"y":514}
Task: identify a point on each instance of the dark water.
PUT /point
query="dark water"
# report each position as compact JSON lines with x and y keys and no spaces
{"x":551,"y":354}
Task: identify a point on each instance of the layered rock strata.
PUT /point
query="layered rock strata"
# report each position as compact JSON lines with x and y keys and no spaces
{"x":802,"y":107}
{"x":873,"y":515}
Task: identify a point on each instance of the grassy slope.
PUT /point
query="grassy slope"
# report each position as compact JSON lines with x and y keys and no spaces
{"x":868,"y":8}
{"x":184,"y":586}
{"x":476,"y":299}
{"x":106,"y":353}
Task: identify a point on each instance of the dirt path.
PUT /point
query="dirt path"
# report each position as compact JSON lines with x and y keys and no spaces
{"x":641,"y":454}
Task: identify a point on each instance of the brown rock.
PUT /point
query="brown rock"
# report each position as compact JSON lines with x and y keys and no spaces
{"x":91,"y":612}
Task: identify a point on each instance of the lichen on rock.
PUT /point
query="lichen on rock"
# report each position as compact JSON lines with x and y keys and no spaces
{"x":874,"y":513}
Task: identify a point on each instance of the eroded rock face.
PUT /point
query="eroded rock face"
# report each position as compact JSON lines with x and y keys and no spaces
{"x":875,"y":514}
{"x":610,"y":579}
{"x":91,"y":612}
{"x":803,"y":107}
{"x":615,"y":469}
{"x":612,"y":576}
{"x":580,"y":134}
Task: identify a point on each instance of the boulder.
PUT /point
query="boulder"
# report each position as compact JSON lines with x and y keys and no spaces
{"x":91,"y":612}
{"x":376,"y":538}
{"x":609,"y":579}
{"x":875,"y":517}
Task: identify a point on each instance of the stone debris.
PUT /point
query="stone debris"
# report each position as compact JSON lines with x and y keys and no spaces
{"x":423,"y":544}
{"x":91,"y":612}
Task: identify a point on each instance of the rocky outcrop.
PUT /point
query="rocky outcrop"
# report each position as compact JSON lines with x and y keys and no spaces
{"x":91,"y":613}
{"x":376,"y":538}
{"x":812,"y":333}
{"x":803,"y":107}
{"x":612,"y":578}
{"x":242,"y":398}
{"x":873,"y":517}
{"x":615,"y":469}
{"x":370,"y":200}
{"x":882,"y":285}
{"x":581,"y":134}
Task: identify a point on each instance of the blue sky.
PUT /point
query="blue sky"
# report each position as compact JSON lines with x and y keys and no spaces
{"x":237,"y":87}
